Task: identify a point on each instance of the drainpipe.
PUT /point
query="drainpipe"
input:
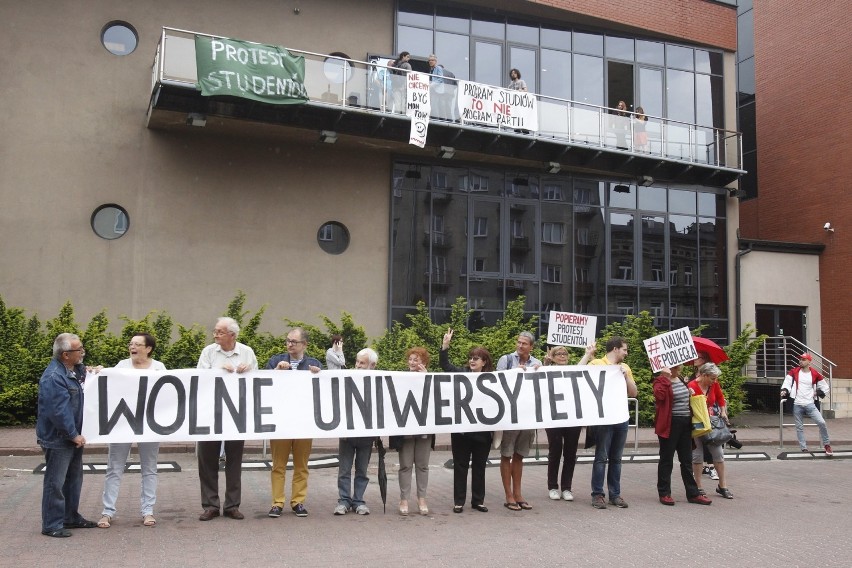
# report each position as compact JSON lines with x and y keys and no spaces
{"x":738,"y":279}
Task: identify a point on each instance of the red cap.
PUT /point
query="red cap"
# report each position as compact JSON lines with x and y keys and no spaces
{"x":806,"y":356}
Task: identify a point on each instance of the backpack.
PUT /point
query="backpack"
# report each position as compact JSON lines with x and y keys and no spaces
{"x":394,"y":69}
{"x":447,"y":73}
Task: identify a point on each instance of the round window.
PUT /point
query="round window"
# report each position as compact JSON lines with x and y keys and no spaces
{"x":333,"y":237}
{"x":110,"y":221}
{"x":120,"y":38}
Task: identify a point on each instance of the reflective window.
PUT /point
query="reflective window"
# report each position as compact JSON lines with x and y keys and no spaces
{"x":588,"y":80}
{"x":450,"y":19}
{"x":681,"y":201}
{"x":524,"y":60}
{"x":745,"y":35}
{"x":554,"y":37}
{"x":679,"y":57}
{"x":707,"y":203}
{"x":488,"y":25}
{"x":110,"y":221}
{"x":414,"y":13}
{"x":556,"y":73}
{"x":591,"y":44}
{"x":652,"y":198}
{"x":619,"y":48}
{"x":650,"y":52}
{"x":708,"y":104}
{"x":522,"y":32}
{"x":488,"y":63}
{"x":453,"y":52}
{"x":745,"y":77}
{"x":414,"y":40}
{"x":651,"y":91}
{"x":622,"y":195}
{"x":680,"y":96}
{"x":333,"y":237}
{"x":120,"y":38}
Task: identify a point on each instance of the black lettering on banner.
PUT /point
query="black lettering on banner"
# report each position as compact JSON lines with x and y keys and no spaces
{"x":554,"y":396}
{"x":574,"y":376}
{"x":512,"y":394}
{"x":259,"y":410}
{"x":380,"y":403}
{"x":134,"y":420}
{"x":220,"y":396}
{"x":463,"y":400}
{"x":420,"y":412}
{"x":501,"y":407}
{"x":535,"y":378}
{"x":194,"y":428}
{"x":335,"y":404}
{"x":440,"y":419}
{"x":365,"y":403}
{"x":152,"y":404}
{"x":597,"y":390}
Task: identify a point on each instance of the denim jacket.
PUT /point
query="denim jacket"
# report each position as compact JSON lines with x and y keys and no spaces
{"x":60,"y":407}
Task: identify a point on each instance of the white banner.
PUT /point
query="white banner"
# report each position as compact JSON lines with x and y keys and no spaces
{"x":418,"y":107}
{"x":485,"y":104}
{"x":670,"y":349}
{"x":124,"y":405}
{"x":573,"y":330}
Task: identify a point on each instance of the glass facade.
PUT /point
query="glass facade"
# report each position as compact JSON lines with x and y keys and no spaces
{"x":564,"y":242}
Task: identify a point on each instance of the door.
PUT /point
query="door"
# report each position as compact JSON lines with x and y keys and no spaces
{"x":790,"y":321}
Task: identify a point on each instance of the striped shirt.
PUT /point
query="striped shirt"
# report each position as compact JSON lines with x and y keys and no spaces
{"x":680,"y":400}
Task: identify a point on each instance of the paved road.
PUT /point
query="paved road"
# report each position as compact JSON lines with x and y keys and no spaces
{"x":777,"y":503}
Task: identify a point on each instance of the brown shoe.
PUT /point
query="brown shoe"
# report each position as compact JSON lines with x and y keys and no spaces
{"x":234,"y":514}
{"x":208,"y":515}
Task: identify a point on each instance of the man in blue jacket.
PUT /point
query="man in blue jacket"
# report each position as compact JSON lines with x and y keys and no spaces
{"x":58,"y":430}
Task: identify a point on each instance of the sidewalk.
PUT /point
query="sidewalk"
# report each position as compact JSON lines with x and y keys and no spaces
{"x":753,"y":429}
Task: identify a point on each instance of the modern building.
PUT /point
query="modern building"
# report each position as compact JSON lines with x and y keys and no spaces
{"x":125,"y":188}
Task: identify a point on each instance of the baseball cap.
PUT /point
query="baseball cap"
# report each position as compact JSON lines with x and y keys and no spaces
{"x":806,"y":356}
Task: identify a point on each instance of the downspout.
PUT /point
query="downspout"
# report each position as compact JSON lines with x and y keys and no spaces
{"x":738,"y":280}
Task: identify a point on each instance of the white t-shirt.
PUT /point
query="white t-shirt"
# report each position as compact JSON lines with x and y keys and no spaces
{"x":127,"y":364}
{"x":805,"y":391}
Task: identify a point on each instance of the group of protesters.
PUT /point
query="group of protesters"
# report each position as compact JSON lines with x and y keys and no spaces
{"x":60,"y":418}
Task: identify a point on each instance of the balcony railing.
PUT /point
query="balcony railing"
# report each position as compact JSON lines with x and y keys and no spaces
{"x":367,"y":87}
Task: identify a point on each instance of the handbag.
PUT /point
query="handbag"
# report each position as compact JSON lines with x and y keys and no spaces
{"x":701,"y":420}
{"x":720,"y":433}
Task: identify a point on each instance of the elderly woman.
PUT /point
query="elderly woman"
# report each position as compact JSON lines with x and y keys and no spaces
{"x":470,"y":449}
{"x":673,"y":426}
{"x":561,"y":443}
{"x":414,"y":451}
{"x":707,"y":383}
{"x":141,"y":347}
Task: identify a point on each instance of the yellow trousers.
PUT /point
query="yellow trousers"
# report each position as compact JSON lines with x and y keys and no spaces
{"x":281,"y":449}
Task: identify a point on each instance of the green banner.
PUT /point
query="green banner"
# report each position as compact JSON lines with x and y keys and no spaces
{"x":264,"y":73}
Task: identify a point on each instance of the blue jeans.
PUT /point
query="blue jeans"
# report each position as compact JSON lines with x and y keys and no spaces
{"x":357,"y":450}
{"x":608,"y":449}
{"x":809,"y":410}
{"x":63,"y":480}
{"x":115,"y":469}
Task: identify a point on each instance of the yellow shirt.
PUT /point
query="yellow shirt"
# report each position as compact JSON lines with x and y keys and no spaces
{"x":628,"y":373}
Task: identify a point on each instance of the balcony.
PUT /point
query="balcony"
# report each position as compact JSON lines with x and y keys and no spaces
{"x":348,"y":97}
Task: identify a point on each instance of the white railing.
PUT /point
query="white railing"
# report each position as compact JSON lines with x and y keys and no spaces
{"x":370,"y":87}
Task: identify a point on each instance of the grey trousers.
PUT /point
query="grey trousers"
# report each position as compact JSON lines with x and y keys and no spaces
{"x":415,"y":452}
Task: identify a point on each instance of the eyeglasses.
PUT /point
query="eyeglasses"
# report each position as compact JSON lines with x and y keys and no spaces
{"x":81,"y":350}
{"x":134,"y":344}
{"x":217,"y":332}
{"x":294,"y":341}
{"x":474,"y":358}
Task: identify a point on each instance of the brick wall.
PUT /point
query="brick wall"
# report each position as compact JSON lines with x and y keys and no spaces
{"x":803,"y":69}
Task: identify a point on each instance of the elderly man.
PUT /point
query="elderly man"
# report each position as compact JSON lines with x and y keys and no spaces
{"x":58,"y":427}
{"x":516,"y":444}
{"x":357,"y":451}
{"x":611,"y":437}
{"x":294,"y":358}
{"x":231,"y":356}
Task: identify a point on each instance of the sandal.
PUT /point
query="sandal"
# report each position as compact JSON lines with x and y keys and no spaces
{"x":725,"y":492}
{"x":403,"y":508}
{"x":104,"y":523}
{"x":524,"y":505}
{"x":149,"y":521}
{"x":512,"y":506}
{"x":421,"y":504}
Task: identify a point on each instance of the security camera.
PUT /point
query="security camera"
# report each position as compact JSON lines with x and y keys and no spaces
{"x":828,"y":228}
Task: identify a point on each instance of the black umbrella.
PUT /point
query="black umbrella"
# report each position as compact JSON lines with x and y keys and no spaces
{"x":383,"y":474}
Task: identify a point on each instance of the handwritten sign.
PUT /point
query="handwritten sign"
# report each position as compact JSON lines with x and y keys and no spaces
{"x":485,"y":104}
{"x":670,"y":349}
{"x":418,"y":107}
{"x":572,"y":330}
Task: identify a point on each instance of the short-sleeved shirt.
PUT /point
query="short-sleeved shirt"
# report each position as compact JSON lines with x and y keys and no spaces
{"x":214,"y":357}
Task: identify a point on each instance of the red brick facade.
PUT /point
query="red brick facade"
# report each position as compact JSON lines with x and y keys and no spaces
{"x":803,"y":69}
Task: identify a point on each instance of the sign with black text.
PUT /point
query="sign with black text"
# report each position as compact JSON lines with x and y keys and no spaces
{"x":670,"y":349}
{"x":571,"y":330}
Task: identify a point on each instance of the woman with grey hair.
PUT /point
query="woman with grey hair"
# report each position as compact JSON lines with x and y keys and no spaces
{"x":707,"y":383}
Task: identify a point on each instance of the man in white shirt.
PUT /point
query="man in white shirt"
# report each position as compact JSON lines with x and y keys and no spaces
{"x":804,"y":384}
{"x":228,"y":354}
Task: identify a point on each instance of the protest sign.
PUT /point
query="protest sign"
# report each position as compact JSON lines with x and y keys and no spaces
{"x":572,"y":330}
{"x":124,"y":405}
{"x":670,"y":349}
{"x":418,"y":107}
{"x":495,"y":106}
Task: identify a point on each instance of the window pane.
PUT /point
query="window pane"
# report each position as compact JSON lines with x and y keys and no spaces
{"x":652,"y":198}
{"x":679,"y":57}
{"x":557,"y":38}
{"x":745,"y":35}
{"x":619,"y":48}
{"x":452,"y":19}
{"x":591,"y":44}
{"x":556,"y":73}
{"x":415,"y":40}
{"x":522,"y":32}
{"x":702,"y":61}
{"x":524,"y":60}
{"x":622,"y":249}
{"x":414,"y":13}
{"x":453,"y":52}
{"x":680,"y":96}
{"x":708,"y":104}
{"x":588,"y":80}
{"x":681,"y":201}
{"x":745,"y":78}
{"x":622,"y":195}
{"x":489,"y":25}
{"x":651,"y":91}
{"x":653,"y":252}
{"x":650,"y":52}
{"x":707,"y":203}
{"x":488,"y":63}
{"x":713,"y":273}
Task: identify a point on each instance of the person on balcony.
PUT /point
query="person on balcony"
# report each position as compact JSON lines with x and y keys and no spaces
{"x":399,"y":69}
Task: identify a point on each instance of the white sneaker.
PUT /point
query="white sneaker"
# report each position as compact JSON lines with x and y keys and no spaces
{"x":554,"y":494}
{"x":362,"y":510}
{"x":341,"y":509}
{"x":713,"y":473}
{"x":567,"y":495}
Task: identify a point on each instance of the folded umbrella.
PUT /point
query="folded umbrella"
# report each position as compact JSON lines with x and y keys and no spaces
{"x":383,"y":474}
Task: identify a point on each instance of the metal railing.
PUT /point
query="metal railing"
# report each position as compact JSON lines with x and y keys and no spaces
{"x":370,"y":87}
{"x":781,"y":353}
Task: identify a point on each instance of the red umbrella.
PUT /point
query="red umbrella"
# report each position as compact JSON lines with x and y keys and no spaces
{"x":716,"y":353}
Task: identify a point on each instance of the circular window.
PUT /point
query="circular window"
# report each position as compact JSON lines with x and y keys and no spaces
{"x":119,"y":38}
{"x":333,"y":237}
{"x":110,"y":221}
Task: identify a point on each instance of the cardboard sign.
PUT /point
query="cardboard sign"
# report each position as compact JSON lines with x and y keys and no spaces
{"x":571,"y":330}
{"x":418,"y":107}
{"x":670,"y":349}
